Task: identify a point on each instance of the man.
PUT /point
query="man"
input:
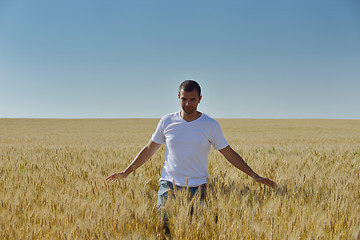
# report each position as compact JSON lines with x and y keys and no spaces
{"x":188,"y":135}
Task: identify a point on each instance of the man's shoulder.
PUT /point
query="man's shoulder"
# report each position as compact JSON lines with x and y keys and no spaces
{"x":170,"y":116}
{"x":207,"y":118}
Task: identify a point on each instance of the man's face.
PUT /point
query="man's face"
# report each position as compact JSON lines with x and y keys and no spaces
{"x":189,"y":101}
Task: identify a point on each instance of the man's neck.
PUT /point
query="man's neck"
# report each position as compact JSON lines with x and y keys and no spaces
{"x":190,"y":117}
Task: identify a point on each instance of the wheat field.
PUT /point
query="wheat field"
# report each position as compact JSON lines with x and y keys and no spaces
{"x":53,"y":171}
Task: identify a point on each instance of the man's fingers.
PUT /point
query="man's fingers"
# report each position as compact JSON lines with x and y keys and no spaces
{"x":270,"y":183}
{"x":115,"y":176}
{"x":111,"y":178}
{"x":266,"y":181}
{"x":107,"y":180}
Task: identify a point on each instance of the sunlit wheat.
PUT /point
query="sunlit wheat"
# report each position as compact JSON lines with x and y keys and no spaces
{"x":52,"y":182}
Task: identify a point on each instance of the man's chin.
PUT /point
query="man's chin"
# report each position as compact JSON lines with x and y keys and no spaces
{"x":189,"y":111}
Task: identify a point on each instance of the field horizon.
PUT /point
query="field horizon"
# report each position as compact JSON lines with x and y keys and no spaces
{"x":158,"y":118}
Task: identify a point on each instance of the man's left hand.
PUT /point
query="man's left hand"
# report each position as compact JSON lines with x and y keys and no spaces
{"x":265,"y":181}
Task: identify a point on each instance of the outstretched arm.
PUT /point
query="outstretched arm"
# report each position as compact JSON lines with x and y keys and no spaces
{"x":145,"y":154}
{"x":235,"y":159}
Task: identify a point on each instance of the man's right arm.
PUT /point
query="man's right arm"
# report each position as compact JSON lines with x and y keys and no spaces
{"x":145,"y":154}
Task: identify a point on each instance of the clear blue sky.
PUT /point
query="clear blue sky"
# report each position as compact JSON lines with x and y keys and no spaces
{"x":125,"y":59}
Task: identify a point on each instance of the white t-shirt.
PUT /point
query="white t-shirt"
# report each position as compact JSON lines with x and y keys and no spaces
{"x":187,"y":147}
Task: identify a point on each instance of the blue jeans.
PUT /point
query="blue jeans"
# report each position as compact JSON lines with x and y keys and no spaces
{"x":166,"y":187}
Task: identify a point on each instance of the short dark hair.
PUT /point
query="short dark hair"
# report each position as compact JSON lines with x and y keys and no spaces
{"x":189,"y":86}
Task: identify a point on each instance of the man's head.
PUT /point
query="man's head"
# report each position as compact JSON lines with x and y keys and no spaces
{"x":189,"y":96}
{"x":189,"y":86}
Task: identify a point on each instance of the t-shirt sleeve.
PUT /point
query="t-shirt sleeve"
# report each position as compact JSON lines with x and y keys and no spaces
{"x":159,"y":136}
{"x":218,"y":140}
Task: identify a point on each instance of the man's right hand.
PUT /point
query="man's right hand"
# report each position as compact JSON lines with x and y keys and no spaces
{"x":115,"y":176}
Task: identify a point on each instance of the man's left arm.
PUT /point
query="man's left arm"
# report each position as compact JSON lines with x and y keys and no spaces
{"x":235,"y":159}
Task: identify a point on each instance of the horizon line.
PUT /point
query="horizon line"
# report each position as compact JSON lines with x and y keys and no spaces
{"x":129,"y":118}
